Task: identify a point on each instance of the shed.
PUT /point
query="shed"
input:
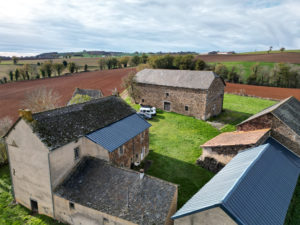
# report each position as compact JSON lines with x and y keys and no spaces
{"x":255,"y":187}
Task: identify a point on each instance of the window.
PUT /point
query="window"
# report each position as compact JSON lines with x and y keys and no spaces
{"x":71,"y":205}
{"x":76,"y":153}
{"x":186,"y":108}
{"x":34,"y":206}
{"x":137,"y":156}
{"x":143,"y":100}
{"x":167,"y":94}
{"x":105,"y":221}
{"x":121,"y":150}
{"x":14,"y":172}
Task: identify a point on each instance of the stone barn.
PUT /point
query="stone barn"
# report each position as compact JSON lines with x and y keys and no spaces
{"x":45,"y":148}
{"x":217,"y":152}
{"x":193,"y":93}
{"x":284,"y":120}
{"x":255,"y":187}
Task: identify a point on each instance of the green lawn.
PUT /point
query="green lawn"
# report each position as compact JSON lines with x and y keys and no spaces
{"x":174,"y":148}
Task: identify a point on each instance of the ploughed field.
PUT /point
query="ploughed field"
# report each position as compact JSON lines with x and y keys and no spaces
{"x":12,"y":94}
{"x":262,"y":91}
{"x":285,"y":57}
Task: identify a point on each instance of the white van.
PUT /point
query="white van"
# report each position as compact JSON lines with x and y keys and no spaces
{"x":148,"y":109}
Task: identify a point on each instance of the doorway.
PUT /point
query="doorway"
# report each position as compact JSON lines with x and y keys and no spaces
{"x":34,"y":206}
{"x":167,"y":106}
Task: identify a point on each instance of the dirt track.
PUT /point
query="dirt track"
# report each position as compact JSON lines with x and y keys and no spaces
{"x":262,"y":91}
{"x":287,"y":57}
{"x":12,"y":94}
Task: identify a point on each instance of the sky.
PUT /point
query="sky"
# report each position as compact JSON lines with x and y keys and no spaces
{"x":35,"y":26}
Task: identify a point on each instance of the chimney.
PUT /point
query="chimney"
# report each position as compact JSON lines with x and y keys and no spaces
{"x":26,"y":114}
{"x":142,"y":174}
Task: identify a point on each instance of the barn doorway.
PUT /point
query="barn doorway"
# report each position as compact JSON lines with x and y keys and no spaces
{"x":167,"y":106}
{"x":34,"y":206}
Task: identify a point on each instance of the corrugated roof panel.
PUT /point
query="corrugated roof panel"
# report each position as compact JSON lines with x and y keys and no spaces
{"x":255,"y":187}
{"x":215,"y":191}
{"x":263,"y":195}
{"x":118,"y":133}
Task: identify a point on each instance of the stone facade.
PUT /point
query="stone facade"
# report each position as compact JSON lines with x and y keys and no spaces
{"x":36,"y":171}
{"x":280,"y":131}
{"x":134,"y":151}
{"x":215,"y":158}
{"x":208,"y":217}
{"x":201,"y":104}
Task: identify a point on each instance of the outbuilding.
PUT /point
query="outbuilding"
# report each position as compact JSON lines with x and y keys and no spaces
{"x":193,"y":93}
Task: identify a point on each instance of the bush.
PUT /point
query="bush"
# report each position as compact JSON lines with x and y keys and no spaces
{"x":79,"y":99}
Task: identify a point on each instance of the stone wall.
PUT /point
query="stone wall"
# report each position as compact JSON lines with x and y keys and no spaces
{"x":215,"y":97}
{"x":286,"y":136}
{"x":215,"y":158}
{"x":207,"y":217}
{"x":135,"y":150}
{"x":261,"y":122}
{"x":83,"y":215}
{"x":29,"y":168}
{"x":190,"y":102}
{"x":279,"y":130}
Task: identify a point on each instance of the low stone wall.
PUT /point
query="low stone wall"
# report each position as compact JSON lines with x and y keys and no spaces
{"x":210,"y":164}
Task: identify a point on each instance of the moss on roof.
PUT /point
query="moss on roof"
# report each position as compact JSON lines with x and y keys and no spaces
{"x":60,"y":126}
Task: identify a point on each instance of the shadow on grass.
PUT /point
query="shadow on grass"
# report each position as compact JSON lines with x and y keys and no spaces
{"x":190,"y":177}
{"x":231,"y":117}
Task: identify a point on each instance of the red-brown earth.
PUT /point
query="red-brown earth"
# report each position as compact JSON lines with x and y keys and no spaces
{"x":262,"y":91}
{"x":285,"y":57}
{"x":12,"y":94}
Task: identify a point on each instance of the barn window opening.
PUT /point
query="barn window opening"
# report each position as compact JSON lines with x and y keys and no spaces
{"x":186,"y":108}
{"x":167,"y":94}
{"x":143,"y":100}
{"x":71,"y":205}
{"x":14,"y":172}
{"x":121,"y":151}
{"x":34,"y":206}
{"x":76,"y":153}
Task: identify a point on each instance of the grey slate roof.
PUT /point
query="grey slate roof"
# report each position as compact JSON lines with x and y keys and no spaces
{"x":62,"y":125}
{"x":177,"y":78}
{"x":114,"y":135}
{"x":94,"y":94}
{"x":287,"y":110}
{"x":118,"y":192}
{"x":255,"y":187}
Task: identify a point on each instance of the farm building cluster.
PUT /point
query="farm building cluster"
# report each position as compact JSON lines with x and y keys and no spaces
{"x":74,"y":163}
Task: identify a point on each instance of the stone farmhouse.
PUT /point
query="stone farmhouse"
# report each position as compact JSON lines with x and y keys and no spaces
{"x":67,"y":163}
{"x":94,"y":94}
{"x":217,"y":152}
{"x":193,"y":93}
{"x":258,"y":181}
{"x":284,"y":120}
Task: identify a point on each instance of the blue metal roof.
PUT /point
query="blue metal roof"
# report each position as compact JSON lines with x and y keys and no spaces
{"x":255,"y":187}
{"x":113,"y":136}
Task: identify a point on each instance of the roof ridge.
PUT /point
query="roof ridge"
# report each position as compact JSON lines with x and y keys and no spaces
{"x":70,"y":106}
{"x":241,"y":177}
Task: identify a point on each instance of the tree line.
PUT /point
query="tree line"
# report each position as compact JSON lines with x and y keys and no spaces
{"x":41,"y":70}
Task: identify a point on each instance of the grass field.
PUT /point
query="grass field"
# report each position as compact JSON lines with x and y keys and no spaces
{"x":174,"y":148}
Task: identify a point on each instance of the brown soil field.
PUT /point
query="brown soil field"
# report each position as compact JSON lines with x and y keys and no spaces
{"x":12,"y":94}
{"x":285,"y":57}
{"x":262,"y":91}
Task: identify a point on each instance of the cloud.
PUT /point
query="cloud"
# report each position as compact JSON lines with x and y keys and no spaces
{"x":141,"y":25}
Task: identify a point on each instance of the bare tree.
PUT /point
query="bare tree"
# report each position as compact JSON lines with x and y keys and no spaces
{"x":5,"y":124}
{"x":41,"y":99}
{"x":130,"y":84}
